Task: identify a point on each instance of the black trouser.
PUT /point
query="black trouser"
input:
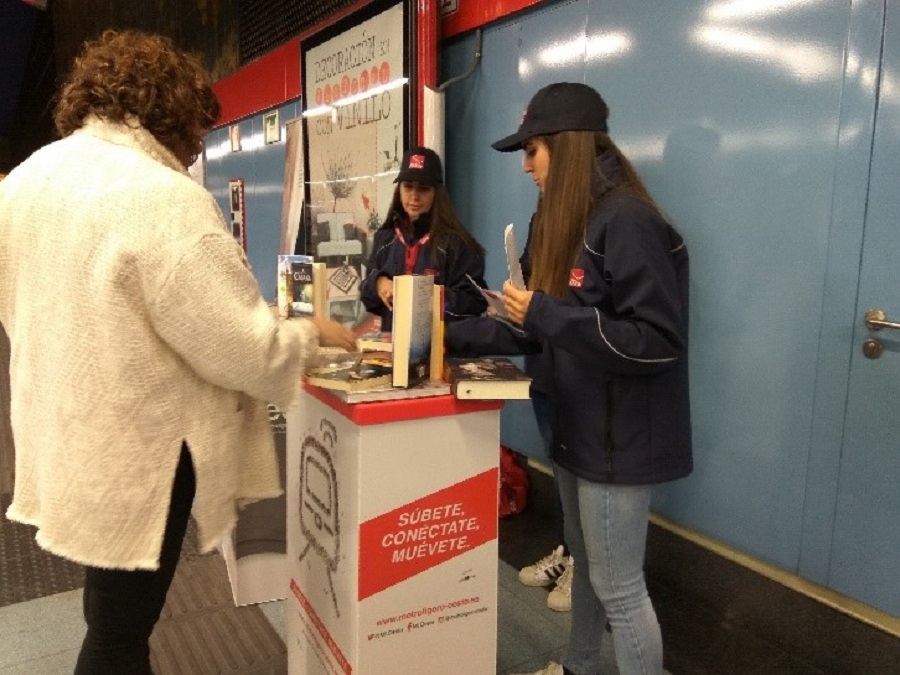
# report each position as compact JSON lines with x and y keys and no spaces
{"x":121,"y":608}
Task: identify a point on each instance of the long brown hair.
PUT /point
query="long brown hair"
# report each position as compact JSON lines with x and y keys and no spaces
{"x":566,"y":202}
{"x":444,"y":223}
{"x":127,"y":74}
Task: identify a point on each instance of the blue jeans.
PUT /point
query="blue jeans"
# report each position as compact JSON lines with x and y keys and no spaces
{"x":606,"y":530}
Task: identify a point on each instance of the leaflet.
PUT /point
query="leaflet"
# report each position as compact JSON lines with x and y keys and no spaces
{"x":494,"y":300}
{"x":512,"y":258}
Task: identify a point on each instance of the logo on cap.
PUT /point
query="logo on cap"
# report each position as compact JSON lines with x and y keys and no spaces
{"x":417,"y":161}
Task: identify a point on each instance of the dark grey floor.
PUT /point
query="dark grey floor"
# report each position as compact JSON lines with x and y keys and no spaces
{"x":717,"y":617}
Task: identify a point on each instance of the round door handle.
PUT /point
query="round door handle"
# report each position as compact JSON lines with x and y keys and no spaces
{"x":876,"y":319}
{"x":872,"y":348}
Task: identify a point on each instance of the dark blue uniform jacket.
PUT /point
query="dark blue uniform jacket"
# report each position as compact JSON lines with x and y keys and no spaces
{"x":613,"y":352}
{"x":461,"y":298}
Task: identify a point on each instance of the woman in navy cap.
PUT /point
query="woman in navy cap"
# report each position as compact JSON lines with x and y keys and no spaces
{"x":423,"y":235}
{"x":606,"y":305}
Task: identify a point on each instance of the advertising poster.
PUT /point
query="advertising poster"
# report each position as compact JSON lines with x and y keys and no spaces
{"x":355,"y":91}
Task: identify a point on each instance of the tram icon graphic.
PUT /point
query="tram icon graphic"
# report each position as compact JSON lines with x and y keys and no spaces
{"x":319,"y":520}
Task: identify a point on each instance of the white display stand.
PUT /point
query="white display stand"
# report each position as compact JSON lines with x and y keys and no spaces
{"x":392,"y":536}
{"x":254,"y":578}
{"x":260,"y":576}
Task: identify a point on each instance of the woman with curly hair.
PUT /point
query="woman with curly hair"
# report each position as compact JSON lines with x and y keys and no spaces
{"x":142,"y":354}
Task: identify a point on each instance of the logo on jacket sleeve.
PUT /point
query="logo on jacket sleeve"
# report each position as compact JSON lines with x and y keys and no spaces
{"x":576,"y":278}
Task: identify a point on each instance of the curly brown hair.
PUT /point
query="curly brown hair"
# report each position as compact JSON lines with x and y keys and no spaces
{"x":128,"y":73}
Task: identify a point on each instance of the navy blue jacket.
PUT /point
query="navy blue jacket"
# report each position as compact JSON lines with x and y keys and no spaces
{"x":613,"y":352}
{"x":461,"y":298}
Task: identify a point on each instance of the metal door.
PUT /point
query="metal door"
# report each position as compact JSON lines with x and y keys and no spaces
{"x":865,"y":559}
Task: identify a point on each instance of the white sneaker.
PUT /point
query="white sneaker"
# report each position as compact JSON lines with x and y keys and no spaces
{"x":546,"y":570}
{"x":560,"y":598}
{"x":551,"y":668}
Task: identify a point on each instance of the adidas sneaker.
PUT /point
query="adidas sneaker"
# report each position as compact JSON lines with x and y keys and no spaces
{"x":560,"y":598}
{"x":546,"y":570}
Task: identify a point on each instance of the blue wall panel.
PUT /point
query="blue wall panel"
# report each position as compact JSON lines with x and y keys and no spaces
{"x":732,"y":118}
{"x":751,"y":123}
{"x":262,"y":168}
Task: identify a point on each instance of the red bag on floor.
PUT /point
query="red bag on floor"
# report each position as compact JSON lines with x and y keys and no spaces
{"x":513,"y":483}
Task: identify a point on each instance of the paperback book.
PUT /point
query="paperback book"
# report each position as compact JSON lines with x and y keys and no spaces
{"x":391,"y":393}
{"x":357,"y":377}
{"x":376,"y":341}
{"x":486,"y":377}
{"x":411,"y":336}
{"x":301,"y":287}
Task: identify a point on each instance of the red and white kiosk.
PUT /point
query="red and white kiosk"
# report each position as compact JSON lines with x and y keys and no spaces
{"x":392,"y":536}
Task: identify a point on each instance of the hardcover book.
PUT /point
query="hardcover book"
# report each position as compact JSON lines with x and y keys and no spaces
{"x":411,"y":337}
{"x":301,"y":287}
{"x":486,"y":377}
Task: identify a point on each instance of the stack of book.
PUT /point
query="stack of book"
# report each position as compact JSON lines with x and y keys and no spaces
{"x":409,"y":361}
{"x":403,"y":364}
{"x":355,"y":377}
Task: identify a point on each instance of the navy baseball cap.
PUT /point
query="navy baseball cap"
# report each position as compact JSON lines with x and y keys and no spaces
{"x":562,"y":106}
{"x":421,"y":165}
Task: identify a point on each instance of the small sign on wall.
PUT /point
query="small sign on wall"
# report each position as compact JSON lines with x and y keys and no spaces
{"x":271,"y":127}
{"x":238,"y":211}
{"x":234,"y":135}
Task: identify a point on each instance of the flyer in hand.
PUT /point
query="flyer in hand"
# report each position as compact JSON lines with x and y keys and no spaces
{"x":512,"y":257}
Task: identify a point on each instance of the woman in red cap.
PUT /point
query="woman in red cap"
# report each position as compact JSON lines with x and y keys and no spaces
{"x":423,"y":235}
{"x":606,"y":308}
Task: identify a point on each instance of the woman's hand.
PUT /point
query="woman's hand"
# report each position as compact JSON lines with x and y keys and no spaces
{"x":333,"y":334}
{"x":516,"y":302}
{"x":385,"y":289}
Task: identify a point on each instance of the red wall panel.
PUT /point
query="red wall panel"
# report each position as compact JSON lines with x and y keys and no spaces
{"x":472,"y":14}
{"x":262,"y":84}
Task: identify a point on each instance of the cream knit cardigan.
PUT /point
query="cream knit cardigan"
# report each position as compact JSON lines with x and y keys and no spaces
{"x":134,"y":324}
